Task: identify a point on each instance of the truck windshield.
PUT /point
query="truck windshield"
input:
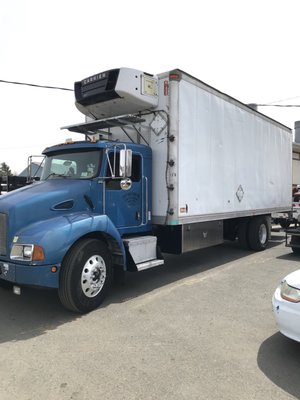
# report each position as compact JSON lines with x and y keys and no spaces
{"x":81,"y":164}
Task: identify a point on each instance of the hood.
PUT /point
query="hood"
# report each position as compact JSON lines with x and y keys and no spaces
{"x":293,"y":279}
{"x":45,"y":199}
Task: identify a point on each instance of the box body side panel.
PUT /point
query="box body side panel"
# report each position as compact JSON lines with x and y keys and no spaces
{"x":231,"y":161}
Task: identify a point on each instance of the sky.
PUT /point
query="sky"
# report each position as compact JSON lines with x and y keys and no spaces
{"x":247,"y":49}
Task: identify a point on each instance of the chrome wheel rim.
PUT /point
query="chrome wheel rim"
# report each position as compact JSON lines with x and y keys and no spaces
{"x":263,"y":234}
{"x":93,"y":276}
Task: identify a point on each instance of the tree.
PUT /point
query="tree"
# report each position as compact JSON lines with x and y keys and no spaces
{"x":5,"y":170}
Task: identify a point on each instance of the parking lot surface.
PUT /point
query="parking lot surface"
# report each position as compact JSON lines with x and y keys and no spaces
{"x":200,"y":327}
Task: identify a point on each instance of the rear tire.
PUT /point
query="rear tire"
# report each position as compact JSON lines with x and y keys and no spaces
{"x":85,"y":276}
{"x":243,"y":227}
{"x":259,"y":233}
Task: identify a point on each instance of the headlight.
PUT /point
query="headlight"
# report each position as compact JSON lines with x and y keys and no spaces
{"x":27,"y":252}
{"x":289,"y":293}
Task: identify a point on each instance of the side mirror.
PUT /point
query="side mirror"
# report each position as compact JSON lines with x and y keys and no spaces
{"x":125,"y":163}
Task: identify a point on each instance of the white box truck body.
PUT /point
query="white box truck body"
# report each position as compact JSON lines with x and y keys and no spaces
{"x":230,"y":161}
{"x":216,"y":161}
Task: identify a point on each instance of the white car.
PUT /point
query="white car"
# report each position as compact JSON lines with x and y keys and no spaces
{"x":286,"y":306}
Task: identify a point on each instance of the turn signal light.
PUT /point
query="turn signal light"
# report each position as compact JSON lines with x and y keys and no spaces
{"x":38,"y":254}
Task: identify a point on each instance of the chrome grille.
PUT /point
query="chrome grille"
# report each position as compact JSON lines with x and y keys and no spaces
{"x":3,"y":236}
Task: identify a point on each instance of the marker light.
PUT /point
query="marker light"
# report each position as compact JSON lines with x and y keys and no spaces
{"x":174,"y":77}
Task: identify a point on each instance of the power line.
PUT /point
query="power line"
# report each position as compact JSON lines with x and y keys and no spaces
{"x":278,"y":105}
{"x":281,"y":100}
{"x":71,"y":90}
{"x":34,"y":85}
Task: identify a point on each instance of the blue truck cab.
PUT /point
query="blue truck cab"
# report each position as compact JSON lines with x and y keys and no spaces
{"x":89,"y":213}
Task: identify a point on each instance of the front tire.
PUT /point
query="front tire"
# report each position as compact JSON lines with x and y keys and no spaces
{"x":295,"y":240}
{"x":296,"y":250}
{"x":85,"y":276}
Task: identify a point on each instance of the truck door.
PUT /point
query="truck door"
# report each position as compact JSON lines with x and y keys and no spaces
{"x":125,"y":207}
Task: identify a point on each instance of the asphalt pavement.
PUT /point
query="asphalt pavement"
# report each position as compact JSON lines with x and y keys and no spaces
{"x":200,"y":327}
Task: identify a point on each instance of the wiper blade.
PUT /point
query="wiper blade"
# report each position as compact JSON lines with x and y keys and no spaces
{"x":56,"y":175}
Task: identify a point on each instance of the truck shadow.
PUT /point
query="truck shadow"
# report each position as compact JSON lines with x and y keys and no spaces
{"x":37,"y":311}
{"x":32,"y":314}
{"x":177,"y":268}
{"x":290,"y":257}
{"x":279,"y":359}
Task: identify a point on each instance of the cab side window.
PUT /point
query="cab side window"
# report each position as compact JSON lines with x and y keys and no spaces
{"x":136,"y":168}
{"x":114,"y":183}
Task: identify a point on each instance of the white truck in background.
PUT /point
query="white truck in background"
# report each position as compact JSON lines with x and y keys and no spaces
{"x":291,"y":217}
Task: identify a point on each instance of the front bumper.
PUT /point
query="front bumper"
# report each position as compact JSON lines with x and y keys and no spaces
{"x":38,"y":275}
{"x":287,"y":316}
